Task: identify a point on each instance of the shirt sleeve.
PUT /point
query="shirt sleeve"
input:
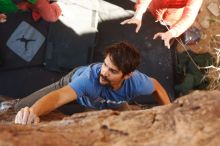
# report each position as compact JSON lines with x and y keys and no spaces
{"x":144,"y":85}
{"x":149,"y":86}
{"x":189,"y":15}
{"x":79,"y":85}
{"x":141,"y":7}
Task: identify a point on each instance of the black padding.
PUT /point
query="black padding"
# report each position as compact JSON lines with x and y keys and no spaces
{"x":22,"y":82}
{"x":10,"y":59}
{"x":66,"y":49}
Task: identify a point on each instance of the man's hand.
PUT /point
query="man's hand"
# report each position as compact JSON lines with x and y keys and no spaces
{"x":3,"y":18}
{"x":165,"y":36}
{"x":133,"y":20}
{"x":26,"y":116}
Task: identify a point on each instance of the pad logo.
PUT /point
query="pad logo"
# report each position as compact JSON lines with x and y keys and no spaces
{"x":25,"y":41}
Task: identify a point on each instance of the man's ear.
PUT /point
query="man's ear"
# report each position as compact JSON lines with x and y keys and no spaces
{"x":128,"y":75}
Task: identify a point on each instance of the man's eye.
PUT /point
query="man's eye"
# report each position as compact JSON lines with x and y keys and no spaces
{"x":113,"y":71}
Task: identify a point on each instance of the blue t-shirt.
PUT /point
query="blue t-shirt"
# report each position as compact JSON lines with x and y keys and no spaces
{"x":90,"y":93}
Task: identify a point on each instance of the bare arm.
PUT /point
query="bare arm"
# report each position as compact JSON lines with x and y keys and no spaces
{"x":45,"y":105}
{"x":189,"y":15}
{"x":54,"y":100}
{"x":160,"y":93}
{"x":141,"y":7}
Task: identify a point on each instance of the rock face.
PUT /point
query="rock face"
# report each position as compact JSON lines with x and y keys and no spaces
{"x":192,"y":120}
{"x":214,"y":9}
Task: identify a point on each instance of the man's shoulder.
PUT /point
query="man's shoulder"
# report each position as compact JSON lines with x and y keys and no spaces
{"x":85,"y":79}
{"x":138,"y":78}
{"x":95,"y":65}
{"x":94,"y":69}
{"x":87,"y":73}
{"x":139,"y":75}
{"x":141,"y":84}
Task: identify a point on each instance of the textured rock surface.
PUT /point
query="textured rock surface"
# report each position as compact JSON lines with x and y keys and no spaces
{"x":192,"y":120}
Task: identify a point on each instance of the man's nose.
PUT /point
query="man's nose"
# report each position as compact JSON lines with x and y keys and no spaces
{"x":105,"y":71}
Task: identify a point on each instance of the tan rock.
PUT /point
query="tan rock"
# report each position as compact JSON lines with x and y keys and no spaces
{"x":214,"y":9}
{"x":192,"y":120}
{"x":205,"y":22}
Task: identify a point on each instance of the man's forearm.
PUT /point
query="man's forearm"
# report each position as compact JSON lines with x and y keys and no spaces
{"x":53,"y":100}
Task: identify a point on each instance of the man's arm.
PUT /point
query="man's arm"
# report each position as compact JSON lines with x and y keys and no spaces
{"x":45,"y":105}
{"x":160,"y":93}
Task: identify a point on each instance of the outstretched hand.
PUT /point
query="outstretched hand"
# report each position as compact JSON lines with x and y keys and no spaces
{"x":3,"y":18}
{"x":165,"y":36}
{"x":26,"y":116}
{"x":133,"y":20}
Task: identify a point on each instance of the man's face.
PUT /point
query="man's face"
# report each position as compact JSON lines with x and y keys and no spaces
{"x":110,"y":75}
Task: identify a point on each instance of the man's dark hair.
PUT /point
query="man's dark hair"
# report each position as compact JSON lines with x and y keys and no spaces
{"x":123,"y":55}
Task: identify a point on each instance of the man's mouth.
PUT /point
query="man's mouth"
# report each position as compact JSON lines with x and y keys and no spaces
{"x":103,"y":78}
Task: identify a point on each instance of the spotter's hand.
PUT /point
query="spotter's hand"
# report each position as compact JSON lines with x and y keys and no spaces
{"x":133,"y":20}
{"x":165,"y":36}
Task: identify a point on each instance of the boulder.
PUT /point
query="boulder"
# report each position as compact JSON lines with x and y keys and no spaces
{"x":192,"y":120}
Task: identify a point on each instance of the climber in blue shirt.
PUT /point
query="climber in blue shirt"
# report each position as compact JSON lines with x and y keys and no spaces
{"x":106,"y":85}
